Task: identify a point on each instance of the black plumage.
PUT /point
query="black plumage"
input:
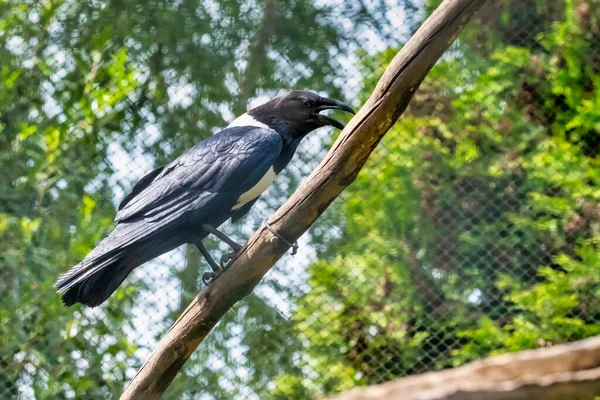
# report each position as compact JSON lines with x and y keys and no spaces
{"x":219,"y":178}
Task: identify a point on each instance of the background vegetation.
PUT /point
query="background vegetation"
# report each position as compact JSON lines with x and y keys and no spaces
{"x":474,"y":229}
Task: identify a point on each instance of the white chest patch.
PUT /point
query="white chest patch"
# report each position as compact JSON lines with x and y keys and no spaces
{"x":246,"y":120}
{"x":257,"y":190}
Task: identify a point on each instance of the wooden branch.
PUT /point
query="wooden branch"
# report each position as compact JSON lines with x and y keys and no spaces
{"x":339,"y":168}
{"x":564,"y":372}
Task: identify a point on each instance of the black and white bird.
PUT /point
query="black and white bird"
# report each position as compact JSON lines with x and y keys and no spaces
{"x":184,"y":201}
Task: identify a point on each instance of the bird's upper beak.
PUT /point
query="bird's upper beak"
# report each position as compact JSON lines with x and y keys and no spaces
{"x":331,"y":104}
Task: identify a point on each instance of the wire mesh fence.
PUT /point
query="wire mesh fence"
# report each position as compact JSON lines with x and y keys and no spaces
{"x":473,"y":230}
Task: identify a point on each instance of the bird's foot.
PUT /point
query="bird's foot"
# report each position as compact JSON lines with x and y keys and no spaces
{"x":209,"y":277}
{"x":227,"y":259}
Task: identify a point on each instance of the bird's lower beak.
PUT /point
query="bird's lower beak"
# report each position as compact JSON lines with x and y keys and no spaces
{"x":331,"y":104}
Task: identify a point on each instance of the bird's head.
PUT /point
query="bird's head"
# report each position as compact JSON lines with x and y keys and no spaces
{"x":298,"y":113}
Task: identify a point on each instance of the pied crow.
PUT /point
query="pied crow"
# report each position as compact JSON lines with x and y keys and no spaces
{"x":184,"y":201}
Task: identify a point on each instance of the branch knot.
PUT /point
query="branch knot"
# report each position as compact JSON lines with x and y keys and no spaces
{"x":294,"y":245}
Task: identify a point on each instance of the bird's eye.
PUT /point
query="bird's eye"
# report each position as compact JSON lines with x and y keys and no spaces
{"x":307,"y":103}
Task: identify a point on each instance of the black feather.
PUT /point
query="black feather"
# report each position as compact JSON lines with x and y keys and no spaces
{"x":243,"y":210}
{"x":141,"y":185}
{"x":93,"y":291}
{"x":168,"y":206}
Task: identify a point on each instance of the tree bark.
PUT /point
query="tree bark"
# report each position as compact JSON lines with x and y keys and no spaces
{"x":564,"y":372}
{"x":338,"y":170}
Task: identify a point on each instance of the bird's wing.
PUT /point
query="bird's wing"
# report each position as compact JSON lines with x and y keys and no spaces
{"x":243,"y":210}
{"x":215,"y":171}
{"x":141,"y":185}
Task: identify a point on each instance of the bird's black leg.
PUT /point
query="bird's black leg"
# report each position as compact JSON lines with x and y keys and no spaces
{"x":208,"y":277}
{"x":225,"y":258}
{"x":222,"y":236}
{"x":213,"y":265}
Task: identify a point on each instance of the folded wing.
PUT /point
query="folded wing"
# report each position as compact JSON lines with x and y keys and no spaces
{"x":216,"y":170}
{"x":202,"y":180}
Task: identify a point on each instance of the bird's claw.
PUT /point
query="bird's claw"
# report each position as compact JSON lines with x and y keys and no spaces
{"x":209,"y":277}
{"x":226,"y":259}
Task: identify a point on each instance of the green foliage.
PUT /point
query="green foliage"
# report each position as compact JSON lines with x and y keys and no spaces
{"x":88,"y":89}
{"x":474,"y":229}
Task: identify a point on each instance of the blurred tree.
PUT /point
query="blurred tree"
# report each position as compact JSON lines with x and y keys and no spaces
{"x":90,"y":88}
{"x":475,"y":228}
{"x":474,"y":231}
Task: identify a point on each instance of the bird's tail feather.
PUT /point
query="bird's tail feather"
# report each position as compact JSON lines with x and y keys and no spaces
{"x":92,"y":282}
{"x":129,"y":245}
{"x":98,"y":287}
{"x":86,"y":268}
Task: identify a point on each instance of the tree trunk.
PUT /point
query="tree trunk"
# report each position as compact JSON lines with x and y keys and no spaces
{"x":258,"y":51}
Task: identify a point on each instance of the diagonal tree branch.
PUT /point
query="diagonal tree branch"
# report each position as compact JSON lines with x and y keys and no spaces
{"x":339,"y":168}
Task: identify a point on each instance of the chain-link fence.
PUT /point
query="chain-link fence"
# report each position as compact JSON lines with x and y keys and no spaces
{"x":473,"y":229}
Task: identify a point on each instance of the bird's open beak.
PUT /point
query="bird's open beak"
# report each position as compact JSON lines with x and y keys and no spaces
{"x":331,"y":104}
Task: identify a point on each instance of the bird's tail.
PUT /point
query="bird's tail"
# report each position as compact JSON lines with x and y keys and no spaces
{"x":128,"y":246}
{"x":91,"y":282}
{"x":95,"y":278}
